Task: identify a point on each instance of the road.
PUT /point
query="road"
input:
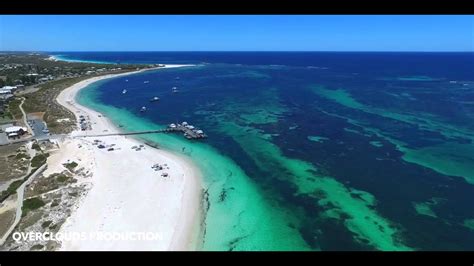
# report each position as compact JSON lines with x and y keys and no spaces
{"x":25,"y":118}
{"x":19,"y":201}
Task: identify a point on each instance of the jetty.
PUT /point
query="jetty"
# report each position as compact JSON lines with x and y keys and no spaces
{"x":189,"y":132}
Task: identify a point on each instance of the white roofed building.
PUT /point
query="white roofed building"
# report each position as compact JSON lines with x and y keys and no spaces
{"x":15,"y":131}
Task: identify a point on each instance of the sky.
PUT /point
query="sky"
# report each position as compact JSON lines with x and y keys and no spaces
{"x":237,"y":33}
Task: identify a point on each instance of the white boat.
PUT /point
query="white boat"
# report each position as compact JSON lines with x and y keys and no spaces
{"x":124,"y":91}
{"x":154,"y":99}
{"x":146,"y":81}
{"x":143,"y":109}
{"x":174,"y":89}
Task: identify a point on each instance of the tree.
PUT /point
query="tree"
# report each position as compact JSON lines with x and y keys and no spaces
{"x":9,"y":81}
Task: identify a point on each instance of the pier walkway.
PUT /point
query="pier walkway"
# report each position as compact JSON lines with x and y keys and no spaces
{"x":188,"y":133}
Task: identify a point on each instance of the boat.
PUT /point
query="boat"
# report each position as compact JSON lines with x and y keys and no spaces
{"x":174,"y":89}
{"x":146,"y":81}
{"x":143,"y":109}
{"x":124,"y":91}
{"x":154,"y":99}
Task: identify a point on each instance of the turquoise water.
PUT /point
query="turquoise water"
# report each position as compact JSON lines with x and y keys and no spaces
{"x":303,"y":158}
{"x":237,"y":217}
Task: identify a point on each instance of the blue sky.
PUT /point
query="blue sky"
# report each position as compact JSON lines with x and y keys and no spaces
{"x":237,"y":33}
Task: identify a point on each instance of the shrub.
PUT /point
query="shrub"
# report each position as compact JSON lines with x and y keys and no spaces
{"x":46,"y":224}
{"x":62,"y":178}
{"x":38,"y":160}
{"x":32,"y":204}
{"x":36,"y":146}
{"x":70,"y":166}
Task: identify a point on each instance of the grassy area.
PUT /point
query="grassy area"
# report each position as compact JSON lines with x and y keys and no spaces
{"x":62,"y":178}
{"x":14,"y":162}
{"x":36,"y":162}
{"x":32,"y":204}
{"x":15,"y":67}
{"x":6,"y":117}
{"x":22,"y":155}
{"x":44,"y":100}
{"x":14,"y":108}
{"x":12,"y":188}
{"x":6,"y":220}
{"x":25,"y":63}
{"x":44,"y":184}
{"x":39,"y":160}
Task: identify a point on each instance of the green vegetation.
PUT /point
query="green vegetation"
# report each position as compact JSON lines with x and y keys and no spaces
{"x":14,"y":108}
{"x":5,"y":116}
{"x":14,"y":186}
{"x":39,"y":160}
{"x":6,"y":220}
{"x":29,"y":69}
{"x":32,"y":204}
{"x":50,"y":78}
{"x":22,"y":155}
{"x":43,"y":101}
{"x":70,"y":166}
{"x":50,"y":182}
{"x":36,"y":146}
{"x":37,"y":247}
{"x":46,"y":224}
{"x":62,"y":178}
{"x":14,"y":163}
{"x":55,"y":203}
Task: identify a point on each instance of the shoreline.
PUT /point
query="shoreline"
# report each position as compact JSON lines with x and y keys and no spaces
{"x":130,"y":199}
{"x":58,"y":58}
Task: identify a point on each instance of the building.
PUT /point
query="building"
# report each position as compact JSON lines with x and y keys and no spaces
{"x":15,"y":131}
{"x":20,"y":87}
{"x":8,"y":89}
{"x":5,"y":93}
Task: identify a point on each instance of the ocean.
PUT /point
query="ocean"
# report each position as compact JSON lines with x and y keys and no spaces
{"x":313,"y":150}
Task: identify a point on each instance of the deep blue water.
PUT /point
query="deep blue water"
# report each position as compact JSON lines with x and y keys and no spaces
{"x":356,"y":151}
{"x":455,"y":65}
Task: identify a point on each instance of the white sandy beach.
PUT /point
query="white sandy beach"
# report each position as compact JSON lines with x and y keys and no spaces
{"x":126,"y":194}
